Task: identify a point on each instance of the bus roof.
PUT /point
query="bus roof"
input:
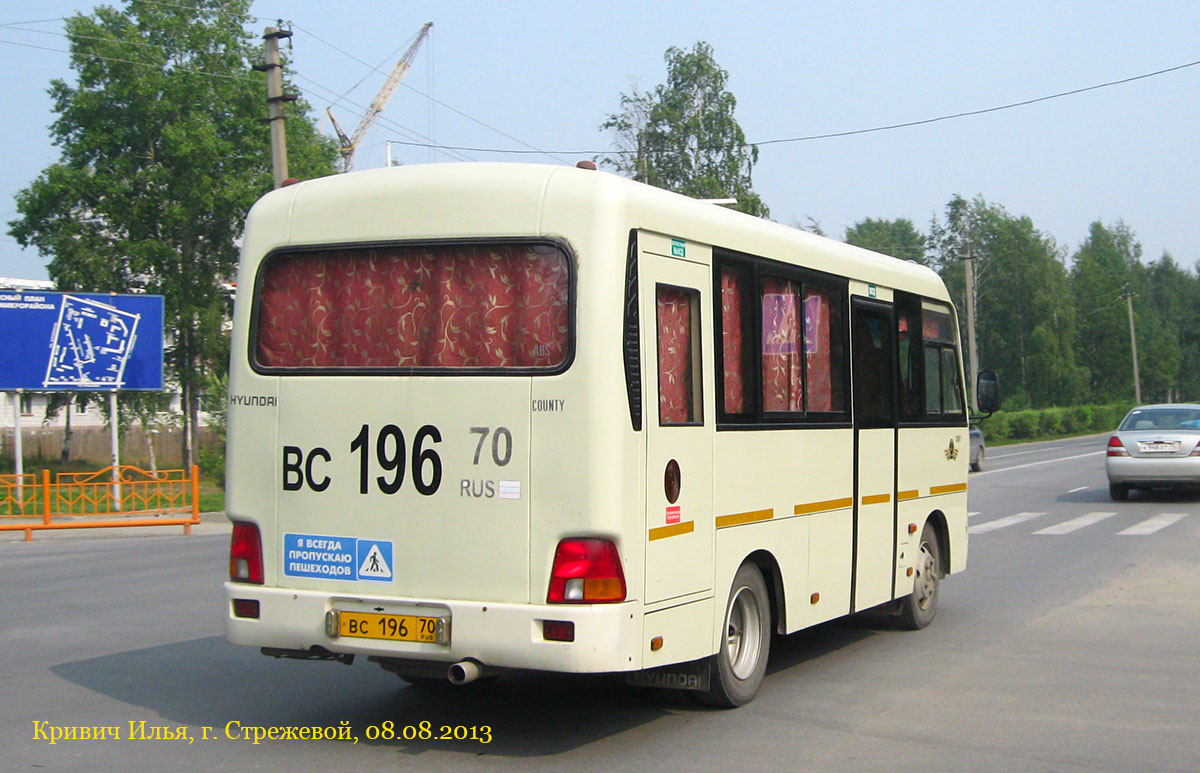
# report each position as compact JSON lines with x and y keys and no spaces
{"x":428,"y":201}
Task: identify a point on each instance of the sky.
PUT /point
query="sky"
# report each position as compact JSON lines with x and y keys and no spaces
{"x":544,"y":75}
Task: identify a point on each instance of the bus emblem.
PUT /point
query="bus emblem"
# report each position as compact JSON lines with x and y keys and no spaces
{"x":951,"y":452}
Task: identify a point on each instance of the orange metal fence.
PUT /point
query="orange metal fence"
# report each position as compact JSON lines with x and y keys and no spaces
{"x":88,"y":500}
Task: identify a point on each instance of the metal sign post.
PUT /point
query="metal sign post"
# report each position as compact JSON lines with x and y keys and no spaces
{"x":18,"y":455}
{"x":114,"y":421}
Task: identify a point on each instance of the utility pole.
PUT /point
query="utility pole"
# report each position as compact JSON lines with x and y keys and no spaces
{"x":275,"y":100}
{"x":1137,"y":383}
{"x":972,"y":349}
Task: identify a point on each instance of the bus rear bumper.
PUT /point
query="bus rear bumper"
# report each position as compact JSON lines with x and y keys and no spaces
{"x":499,"y":635}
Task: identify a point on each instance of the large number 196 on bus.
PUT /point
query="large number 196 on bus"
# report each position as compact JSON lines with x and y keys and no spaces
{"x":486,"y":417}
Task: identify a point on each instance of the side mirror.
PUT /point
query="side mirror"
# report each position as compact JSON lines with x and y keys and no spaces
{"x":987,"y":391}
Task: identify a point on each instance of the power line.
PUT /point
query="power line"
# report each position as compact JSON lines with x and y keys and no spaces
{"x":184,"y":7}
{"x":531,"y":149}
{"x":888,"y":127}
{"x":97,"y":38}
{"x":968,"y":113}
{"x":384,"y":120}
{"x":151,"y":65}
{"x":33,"y":21}
{"x":336,"y":99}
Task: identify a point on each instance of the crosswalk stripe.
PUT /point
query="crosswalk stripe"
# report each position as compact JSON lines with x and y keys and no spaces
{"x":1151,"y":525}
{"x":1066,"y":527}
{"x":1000,"y":523}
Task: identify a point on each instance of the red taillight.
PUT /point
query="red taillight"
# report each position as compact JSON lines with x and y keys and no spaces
{"x":586,"y":571}
{"x":245,"y":554}
{"x":1116,"y":447}
{"x":558,"y":630}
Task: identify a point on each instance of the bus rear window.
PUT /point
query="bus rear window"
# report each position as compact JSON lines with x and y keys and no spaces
{"x":435,"y":306}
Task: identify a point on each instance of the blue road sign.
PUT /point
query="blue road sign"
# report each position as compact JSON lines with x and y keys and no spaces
{"x":51,"y":341}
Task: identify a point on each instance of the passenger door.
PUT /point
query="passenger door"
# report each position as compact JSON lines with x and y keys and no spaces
{"x":872,"y":328}
{"x":676,"y":319}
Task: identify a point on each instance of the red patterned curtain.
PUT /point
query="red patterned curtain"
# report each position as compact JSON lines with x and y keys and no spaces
{"x":818,"y":304}
{"x":674,"y":355}
{"x":449,"y":306}
{"x":782,"y":359}
{"x":937,"y":326}
{"x":733,"y":288}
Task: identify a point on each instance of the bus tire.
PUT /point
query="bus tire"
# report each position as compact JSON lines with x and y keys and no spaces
{"x":737,"y":670}
{"x":919,"y":607}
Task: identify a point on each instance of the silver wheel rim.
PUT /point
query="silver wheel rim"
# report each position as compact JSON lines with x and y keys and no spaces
{"x":925,"y":587}
{"x":743,"y":632}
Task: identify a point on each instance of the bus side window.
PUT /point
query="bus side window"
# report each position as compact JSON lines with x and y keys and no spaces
{"x":908,"y":327}
{"x":823,"y":359}
{"x":679,"y":378}
{"x":943,"y":388}
{"x":737,"y":343}
{"x":782,"y":355}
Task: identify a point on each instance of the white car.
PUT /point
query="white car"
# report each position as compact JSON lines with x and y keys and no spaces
{"x":1155,"y":446}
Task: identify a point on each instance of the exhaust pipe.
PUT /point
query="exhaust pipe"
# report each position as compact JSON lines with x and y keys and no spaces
{"x":464,"y":672}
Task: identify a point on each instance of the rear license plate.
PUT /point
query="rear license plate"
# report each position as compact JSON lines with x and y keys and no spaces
{"x":372,"y":625}
{"x":1158,"y":448}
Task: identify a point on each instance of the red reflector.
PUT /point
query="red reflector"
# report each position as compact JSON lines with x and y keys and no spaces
{"x":558,"y":630}
{"x":586,"y":571}
{"x":245,"y":554}
{"x":1116,"y":447}
{"x":245,"y":608}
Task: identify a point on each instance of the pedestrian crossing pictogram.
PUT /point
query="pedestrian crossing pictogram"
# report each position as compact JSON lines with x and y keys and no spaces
{"x":374,"y":565}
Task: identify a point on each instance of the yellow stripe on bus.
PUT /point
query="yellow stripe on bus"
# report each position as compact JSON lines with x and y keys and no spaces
{"x":877,"y":499}
{"x":905,"y":495}
{"x":738,"y":519}
{"x":829,"y":504}
{"x":674,"y":530}
{"x":950,"y":489}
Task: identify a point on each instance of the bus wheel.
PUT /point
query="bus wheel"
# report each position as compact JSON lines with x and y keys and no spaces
{"x":736,"y":671}
{"x":918,"y":608}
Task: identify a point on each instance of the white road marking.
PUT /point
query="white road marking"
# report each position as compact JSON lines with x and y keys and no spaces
{"x":1066,"y":527}
{"x":1077,"y":490}
{"x":1000,"y":523}
{"x":969,"y":515}
{"x":994,"y":456}
{"x":1151,"y":525}
{"x":1035,"y":464}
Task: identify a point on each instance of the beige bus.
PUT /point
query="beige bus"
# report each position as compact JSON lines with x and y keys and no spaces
{"x":493,"y":416}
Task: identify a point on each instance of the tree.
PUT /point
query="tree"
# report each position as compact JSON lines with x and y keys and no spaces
{"x":1167,"y":312}
{"x":898,"y":238}
{"x":163,"y":151}
{"x":1025,"y":315}
{"x":1104,"y":271}
{"x":683,"y":136}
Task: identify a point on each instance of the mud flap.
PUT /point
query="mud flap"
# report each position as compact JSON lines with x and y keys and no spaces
{"x":693,"y":675}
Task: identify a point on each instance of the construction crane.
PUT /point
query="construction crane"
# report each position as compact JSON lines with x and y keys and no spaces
{"x":349,"y":143}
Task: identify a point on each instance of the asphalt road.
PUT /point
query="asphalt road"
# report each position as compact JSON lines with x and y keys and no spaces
{"x":1069,"y":643}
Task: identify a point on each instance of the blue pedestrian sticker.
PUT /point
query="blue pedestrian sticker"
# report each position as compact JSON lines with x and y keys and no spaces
{"x":337,"y":558}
